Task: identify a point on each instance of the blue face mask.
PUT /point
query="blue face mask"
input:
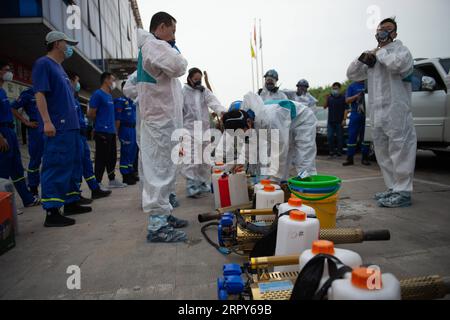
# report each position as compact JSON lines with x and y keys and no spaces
{"x":78,"y":87}
{"x":335,"y":92}
{"x":69,"y":52}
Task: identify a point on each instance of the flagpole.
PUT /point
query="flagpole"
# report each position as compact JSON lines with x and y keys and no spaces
{"x":261,"y":46}
{"x":256,"y":57}
{"x":253,"y":68}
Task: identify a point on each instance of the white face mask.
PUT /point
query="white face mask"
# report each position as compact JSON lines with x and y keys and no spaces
{"x":8,"y":76}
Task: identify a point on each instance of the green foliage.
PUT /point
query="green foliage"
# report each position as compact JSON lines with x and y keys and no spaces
{"x":321,"y":93}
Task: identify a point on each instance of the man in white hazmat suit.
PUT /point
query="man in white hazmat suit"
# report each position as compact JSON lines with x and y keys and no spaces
{"x":197,"y":102}
{"x":270,"y":90}
{"x":303,"y":96}
{"x":388,"y":70}
{"x":160,"y":64}
{"x":296,"y":125}
{"x":130,"y":91}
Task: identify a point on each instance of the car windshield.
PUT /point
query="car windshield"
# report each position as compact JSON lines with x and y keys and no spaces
{"x":445,"y":64}
{"x":321,"y":113}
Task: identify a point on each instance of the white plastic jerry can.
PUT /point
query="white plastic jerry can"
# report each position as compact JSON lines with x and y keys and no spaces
{"x":215,"y":187}
{"x":238,"y":188}
{"x":296,"y":204}
{"x":366,"y":284}
{"x":268,"y":197}
{"x":347,"y":257}
{"x":295,"y":234}
{"x":260,"y":186}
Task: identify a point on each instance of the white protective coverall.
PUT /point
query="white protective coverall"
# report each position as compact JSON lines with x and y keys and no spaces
{"x":389,"y":110}
{"x":297,"y":133}
{"x":267,"y":95}
{"x":161,"y":110}
{"x":196,"y":109}
{"x":306,"y":99}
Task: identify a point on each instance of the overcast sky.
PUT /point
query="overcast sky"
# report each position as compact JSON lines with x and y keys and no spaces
{"x":308,"y":39}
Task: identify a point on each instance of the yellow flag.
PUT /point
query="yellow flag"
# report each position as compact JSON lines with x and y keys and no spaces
{"x":252,"y":50}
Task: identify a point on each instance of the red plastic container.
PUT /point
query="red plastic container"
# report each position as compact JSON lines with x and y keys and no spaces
{"x":7,"y":238}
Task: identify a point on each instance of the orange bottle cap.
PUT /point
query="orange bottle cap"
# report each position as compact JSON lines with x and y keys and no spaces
{"x":217,"y":171}
{"x":297,"y":215}
{"x":323,"y":246}
{"x":362,"y":276}
{"x":265,"y":182}
{"x":295,"y":202}
{"x":220,"y":163}
{"x":269,"y":188}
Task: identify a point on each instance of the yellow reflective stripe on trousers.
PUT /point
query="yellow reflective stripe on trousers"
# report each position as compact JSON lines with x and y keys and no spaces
{"x":32,"y":171}
{"x":90,"y":178}
{"x":73,"y":194}
{"x":20,"y":179}
{"x":52,"y":200}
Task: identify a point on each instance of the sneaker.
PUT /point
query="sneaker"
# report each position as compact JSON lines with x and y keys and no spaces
{"x":177,"y":223}
{"x":173,"y":201}
{"x":349,"y":162}
{"x":34,"y":191}
{"x":84,"y":201}
{"x":36,"y":202}
{"x":114,"y":184}
{"x":99,"y":193}
{"x":193,"y":192}
{"x":75,"y":208}
{"x":128,"y":179}
{"x":396,"y":200}
{"x":204,"y":188}
{"x":54,"y":219}
{"x":103,"y":188}
{"x":382,"y":195}
{"x":166,"y":235}
{"x":136,"y":176}
{"x":365,"y":161}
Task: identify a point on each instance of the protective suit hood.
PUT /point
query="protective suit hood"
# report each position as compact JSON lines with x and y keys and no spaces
{"x":142,"y":37}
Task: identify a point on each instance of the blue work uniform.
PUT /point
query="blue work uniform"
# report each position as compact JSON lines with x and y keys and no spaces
{"x":357,"y":126}
{"x":27,"y":102}
{"x":62,"y":153}
{"x":126,"y":114}
{"x":11,"y":160}
{"x":87,"y":167}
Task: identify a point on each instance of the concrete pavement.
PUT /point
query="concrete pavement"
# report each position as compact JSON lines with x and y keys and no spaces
{"x":109,"y":245}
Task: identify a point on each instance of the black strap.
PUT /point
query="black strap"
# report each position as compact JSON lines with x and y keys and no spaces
{"x":306,"y":286}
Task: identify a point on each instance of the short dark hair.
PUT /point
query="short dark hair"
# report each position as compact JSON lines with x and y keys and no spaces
{"x":336,"y":84}
{"x":161,"y":17}
{"x":3,"y":64}
{"x":390,"y":20}
{"x":50,"y":46}
{"x":104,"y":76}
{"x":72,"y":75}
{"x":236,"y":119}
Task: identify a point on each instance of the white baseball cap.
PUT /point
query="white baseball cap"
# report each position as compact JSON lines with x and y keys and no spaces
{"x":59,"y":36}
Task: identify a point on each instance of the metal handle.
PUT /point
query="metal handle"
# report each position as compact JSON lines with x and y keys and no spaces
{"x":265,"y":262}
{"x":349,"y":235}
{"x":425,"y":288}
{"x":256,"y":212}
